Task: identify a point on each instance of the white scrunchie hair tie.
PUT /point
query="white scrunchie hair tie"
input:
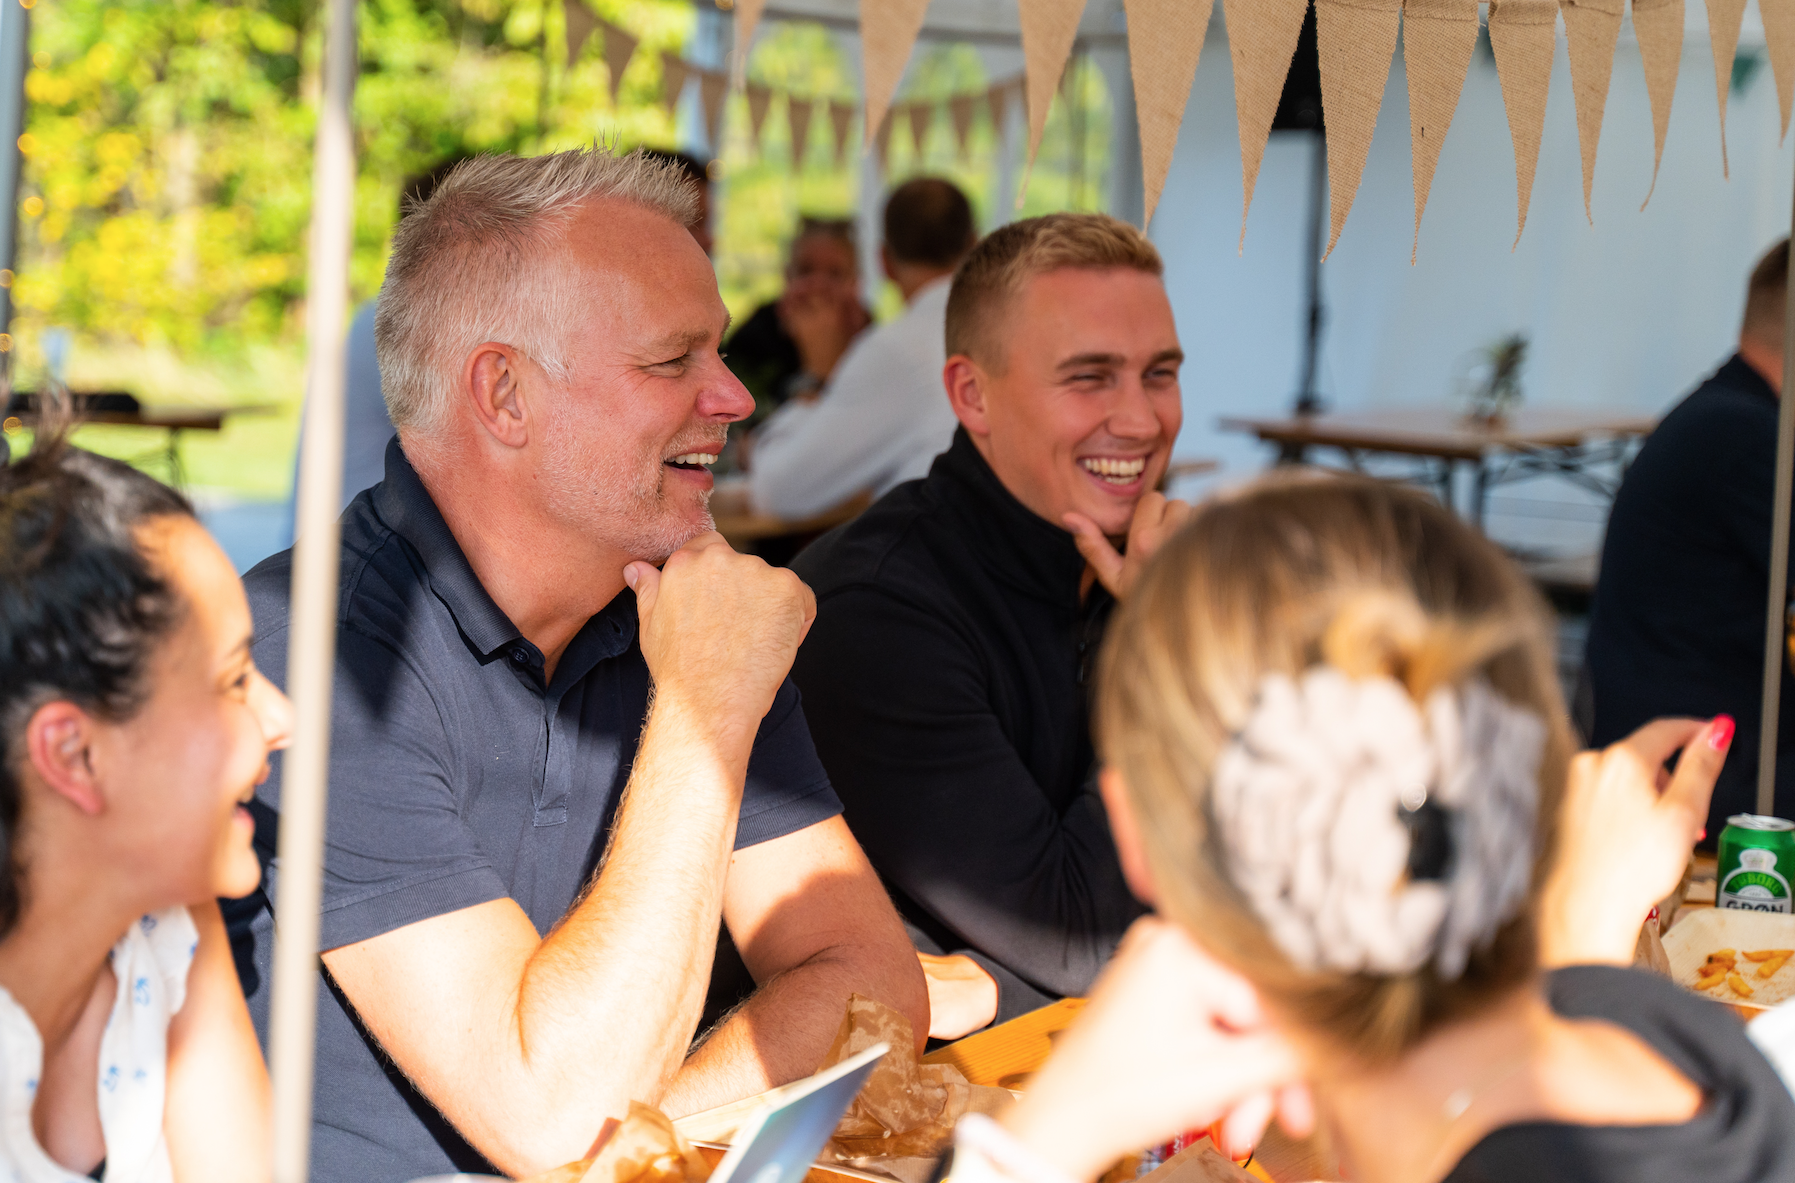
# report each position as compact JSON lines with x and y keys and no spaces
{"x":1306,"y":802}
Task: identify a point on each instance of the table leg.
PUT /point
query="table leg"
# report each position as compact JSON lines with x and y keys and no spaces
{"x":177,"y":476}
{"x":1480,"y":492}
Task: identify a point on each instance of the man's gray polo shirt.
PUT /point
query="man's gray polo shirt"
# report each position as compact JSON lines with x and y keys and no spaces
{"x":457,"y":778}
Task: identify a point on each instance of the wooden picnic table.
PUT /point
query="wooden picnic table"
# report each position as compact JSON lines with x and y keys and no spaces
{"x":1589,"y":447}
{"x":118,"y":409}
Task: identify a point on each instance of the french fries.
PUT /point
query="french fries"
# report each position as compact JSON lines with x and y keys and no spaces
{"x":1722,"y":968}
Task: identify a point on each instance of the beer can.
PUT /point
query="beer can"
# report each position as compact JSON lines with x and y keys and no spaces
{"x":1757,"y":858}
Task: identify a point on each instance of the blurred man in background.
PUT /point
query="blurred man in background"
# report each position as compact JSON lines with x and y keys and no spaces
{"x":882,"y":416}
{"x":1677,"y":627}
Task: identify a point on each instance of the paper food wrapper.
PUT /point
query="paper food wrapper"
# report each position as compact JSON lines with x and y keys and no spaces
{"x":1707,"y":930}
{"x":1648,"y":951}
{"x":908,"y":1108}
{"x":643,"y":1148}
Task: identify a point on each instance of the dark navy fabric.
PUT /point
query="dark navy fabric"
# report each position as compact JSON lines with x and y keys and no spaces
{"x":1677,"y":627}
{"x":458,"y":777}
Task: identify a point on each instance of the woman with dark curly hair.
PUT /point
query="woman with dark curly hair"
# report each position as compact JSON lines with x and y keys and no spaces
{"x":134,"y":728}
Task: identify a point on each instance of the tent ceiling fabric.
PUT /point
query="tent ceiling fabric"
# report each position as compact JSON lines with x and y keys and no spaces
{"x":1357,"y":40}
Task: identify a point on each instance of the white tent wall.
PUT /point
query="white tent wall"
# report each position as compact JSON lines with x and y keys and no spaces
{"x":1629,"y":313}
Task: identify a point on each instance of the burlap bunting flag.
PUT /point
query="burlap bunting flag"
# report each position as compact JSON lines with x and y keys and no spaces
{"x":922,"y":117}
{"x":759,"y":99}
{"x":960,"y":109}
{"x":578,"y":23}
{"x":888,"y":29}
{"x":998,"y":99}
{"x":1724,"y":18}
{"x":1438,"y":38}
{"x":1523,"y":34}
{"x":673,"y":79}
{"x":797,"y":114}
{"x":747,"y":19}
{"x":1355,"y":41}
{"x":841,"y":123}
{"x":882,"y":139}
{"x":1779,"y":39}
{"x":712,"y":90}
{"x":1659,"y":26}
{"x":1591,"y":28}
{"x":620,"y":47}
{"x":1261,"y":41}
{"x":1048,"y":29}
{"x":1165,"y":41}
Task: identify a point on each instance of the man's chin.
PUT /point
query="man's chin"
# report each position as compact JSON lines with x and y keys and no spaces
{"x":678,"y":534}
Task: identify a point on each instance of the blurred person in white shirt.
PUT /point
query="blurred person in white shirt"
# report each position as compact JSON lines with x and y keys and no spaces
{"x":883,"y":416}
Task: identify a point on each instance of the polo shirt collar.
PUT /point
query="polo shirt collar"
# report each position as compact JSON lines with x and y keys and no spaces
{"x":405,"y":505}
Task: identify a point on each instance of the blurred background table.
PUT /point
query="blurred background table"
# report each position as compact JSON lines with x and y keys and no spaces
{"x":117,"y":408}
{"x":1588,"y":447}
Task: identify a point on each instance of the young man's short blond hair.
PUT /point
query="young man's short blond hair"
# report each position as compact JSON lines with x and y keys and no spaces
{"x":990,"y":277}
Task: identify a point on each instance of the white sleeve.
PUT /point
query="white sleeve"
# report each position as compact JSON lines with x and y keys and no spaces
{"x":823,"y":453}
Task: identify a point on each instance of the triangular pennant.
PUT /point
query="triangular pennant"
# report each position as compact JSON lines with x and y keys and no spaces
{"x":747,"y":19}
{"x":1048,"y":29}
{"x":1659,"y":26}
{"x":578,"y":25}
{"x":998,"y":98}
{"x":1355,"y":41}
{"x":797,"y":114}
{"x":1165,"y":39}
{"x":888,"y":29}
{"x":960,"y":109}
{"x":713,"y":88}
{"x":922,"y":117}
{"x":1779,"y":39}
{"x":841,"y":123}
{"x":759,"y":99}
{"x":1591,"y":28}
{"x":1438,"y":39}
{"x":1724,"y":18}
{"x":673,"y":79}
{"x":1523,"y":34}
{"x":882,"y":139}
{"x":620,"y":47}
{"x":1261,"y":42}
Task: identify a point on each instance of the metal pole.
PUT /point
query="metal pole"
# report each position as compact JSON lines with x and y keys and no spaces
{"x":292,"y":1028}
{"x":1776,"y":614}
{"x":15,"y":60}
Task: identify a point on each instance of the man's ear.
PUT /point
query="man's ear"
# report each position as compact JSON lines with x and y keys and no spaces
{"x":494,"y":382}
{"x":59,"y":743}
{"x":1127,"y":836}
{"x":966,"y":384}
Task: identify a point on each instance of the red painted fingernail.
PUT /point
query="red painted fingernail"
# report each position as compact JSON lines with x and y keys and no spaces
{"x":1701,"y":836}
{"x":1720,"y":732}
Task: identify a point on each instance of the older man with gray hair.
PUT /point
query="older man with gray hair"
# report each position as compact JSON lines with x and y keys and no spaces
{"x":547,"y":794}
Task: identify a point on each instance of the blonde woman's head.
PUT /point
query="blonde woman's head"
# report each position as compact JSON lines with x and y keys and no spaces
{"x":1365,"y":610}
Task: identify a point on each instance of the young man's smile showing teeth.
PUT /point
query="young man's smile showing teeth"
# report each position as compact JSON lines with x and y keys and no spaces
{"x":1114,"y":469}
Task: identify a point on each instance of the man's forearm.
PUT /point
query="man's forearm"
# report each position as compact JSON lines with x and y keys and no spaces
{"x":781,"y":1034}
{"x":608,"y":1004}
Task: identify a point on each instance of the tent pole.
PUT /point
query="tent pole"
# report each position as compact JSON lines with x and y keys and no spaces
{"x":1776,"y":614}
{"x":15,"y":62}
{"x":299,"y":864}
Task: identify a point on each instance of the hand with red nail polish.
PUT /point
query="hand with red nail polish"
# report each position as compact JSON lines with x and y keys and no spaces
{"x":1626,"y":828}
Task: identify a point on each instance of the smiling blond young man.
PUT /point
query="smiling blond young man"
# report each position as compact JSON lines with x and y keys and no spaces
{"x":565,"y":750}
{"x":958,"y":619}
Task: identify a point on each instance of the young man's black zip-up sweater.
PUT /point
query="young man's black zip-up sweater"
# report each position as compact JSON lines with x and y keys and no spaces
{"x":947,"y":683}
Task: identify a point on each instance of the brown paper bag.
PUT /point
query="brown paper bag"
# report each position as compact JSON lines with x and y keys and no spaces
{"x":908,"y":1108}
{"x":643,"y":1148}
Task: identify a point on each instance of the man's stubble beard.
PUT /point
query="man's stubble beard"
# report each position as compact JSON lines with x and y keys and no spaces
{"x":633,"y":516}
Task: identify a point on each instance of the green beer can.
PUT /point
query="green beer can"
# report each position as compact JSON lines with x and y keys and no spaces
{"x":1757,"y":857}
